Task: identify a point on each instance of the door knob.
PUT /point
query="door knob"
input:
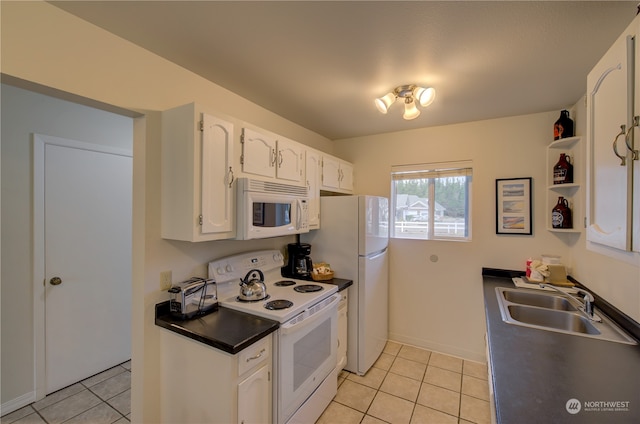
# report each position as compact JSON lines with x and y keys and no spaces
{"x":55,"y":281}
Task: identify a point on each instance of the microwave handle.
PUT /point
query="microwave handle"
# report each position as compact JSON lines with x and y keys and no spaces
{"x":298,"y":214}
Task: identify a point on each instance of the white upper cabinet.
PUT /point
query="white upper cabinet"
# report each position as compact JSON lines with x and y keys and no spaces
{"x":217,"y":176}
{"x":290,"y":160}
{"x":197,"y":201}
{"x":313,"y":164}
{"x":259,"y":153}
{"x":337,"y":175}
{"x":272,"y":156}
{"x":613,"y":104}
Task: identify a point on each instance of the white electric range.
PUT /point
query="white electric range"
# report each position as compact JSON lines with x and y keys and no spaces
{"x":305,"y":345}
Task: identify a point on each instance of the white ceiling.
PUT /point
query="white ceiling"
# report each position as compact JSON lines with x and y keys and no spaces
{"x":321,"y":63}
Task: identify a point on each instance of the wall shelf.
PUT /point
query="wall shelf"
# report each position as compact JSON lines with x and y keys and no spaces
{"x":573,"y":192}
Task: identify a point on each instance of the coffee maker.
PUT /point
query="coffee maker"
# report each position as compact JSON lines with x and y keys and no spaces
{"x":299,"y":264}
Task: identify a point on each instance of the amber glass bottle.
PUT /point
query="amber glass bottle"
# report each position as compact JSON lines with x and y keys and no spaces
{"x":563,"y":127}
{"x":561,"y":214}
{"x":563,"y":170}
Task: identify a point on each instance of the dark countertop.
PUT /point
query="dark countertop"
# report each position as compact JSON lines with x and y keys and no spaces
{"x":225,"y":329}
{"x":537,"y":372}
{"x":340,"y":282}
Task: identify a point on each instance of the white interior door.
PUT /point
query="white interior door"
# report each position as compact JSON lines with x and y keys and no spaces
{"x":87,"y":246}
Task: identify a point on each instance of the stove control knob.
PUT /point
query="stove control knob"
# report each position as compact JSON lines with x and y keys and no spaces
{"x":220,"y":270}
{"x":229,"y":268}
{"x":277,"y":256}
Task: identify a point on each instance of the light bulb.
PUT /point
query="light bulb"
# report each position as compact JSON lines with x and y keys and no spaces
{"x":384,"y":102}
{"x":410,"y":110}
{"x":425,"y":96}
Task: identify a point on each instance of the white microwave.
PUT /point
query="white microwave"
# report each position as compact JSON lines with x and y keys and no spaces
{"x":269,"y":209}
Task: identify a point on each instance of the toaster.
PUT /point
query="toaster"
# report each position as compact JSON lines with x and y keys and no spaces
{"x":196,"y":296}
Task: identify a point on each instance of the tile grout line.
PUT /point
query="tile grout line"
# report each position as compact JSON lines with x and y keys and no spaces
{"x":461,"y":376}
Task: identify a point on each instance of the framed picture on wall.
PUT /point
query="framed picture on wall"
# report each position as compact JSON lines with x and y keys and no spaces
{"x":513,"y":206}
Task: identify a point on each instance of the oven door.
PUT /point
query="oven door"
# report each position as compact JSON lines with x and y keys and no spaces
{"x":307,"y":354}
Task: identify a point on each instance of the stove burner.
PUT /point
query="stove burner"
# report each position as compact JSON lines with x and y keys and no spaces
{"x":278,"y":304}
{"x":308,"y":288}
{"x":251,"y":301}
{"x":285,"y":283}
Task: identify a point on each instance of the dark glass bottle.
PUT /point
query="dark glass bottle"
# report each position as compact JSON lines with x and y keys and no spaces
{"x":563,"y":127}
{"x":563,"y":170}
{"x":561,"y":214}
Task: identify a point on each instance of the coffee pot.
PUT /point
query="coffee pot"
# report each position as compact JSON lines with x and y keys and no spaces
{"x":299,"y":264}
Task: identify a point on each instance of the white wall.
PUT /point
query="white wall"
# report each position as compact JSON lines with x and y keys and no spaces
{"x":25,"y":113}
{"x":439,"y":305}
{"x":43,"y":44}
{"x":47,"y":46}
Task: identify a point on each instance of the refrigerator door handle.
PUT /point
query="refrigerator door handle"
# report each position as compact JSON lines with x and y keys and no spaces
{"x":377,"y":254}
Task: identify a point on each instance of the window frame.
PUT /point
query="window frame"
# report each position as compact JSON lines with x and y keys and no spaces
{"x":431,"y":172}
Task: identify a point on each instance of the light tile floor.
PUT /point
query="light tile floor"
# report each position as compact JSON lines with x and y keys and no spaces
{"x":412,"y":385}
{"x":104,"y":398}
{"x":405,"y":385}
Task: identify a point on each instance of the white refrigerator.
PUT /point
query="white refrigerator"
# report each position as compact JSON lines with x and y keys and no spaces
{"x":353,"y":238}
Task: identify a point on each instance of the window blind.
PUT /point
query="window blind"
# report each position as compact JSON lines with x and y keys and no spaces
{"x":431,"y":170}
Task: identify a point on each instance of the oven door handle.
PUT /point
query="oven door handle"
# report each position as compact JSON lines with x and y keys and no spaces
{"x":295,"y":324}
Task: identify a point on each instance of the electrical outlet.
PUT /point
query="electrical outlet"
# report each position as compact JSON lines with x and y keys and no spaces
{"x":165,"y":280}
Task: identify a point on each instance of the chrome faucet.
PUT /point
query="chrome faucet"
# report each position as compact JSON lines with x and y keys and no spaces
{"x":588,"y":300}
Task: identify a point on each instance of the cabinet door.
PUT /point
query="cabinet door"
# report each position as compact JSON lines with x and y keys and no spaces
{"x":610,"y":113}
{"x":258,"y":153}
{"x":217,"y":174}
{"x":312,"y":173}
{"x":342,"y":331}
{"x":254,"y":398}
{"x":289,"y":160}
{"x":330,"y":172}
{"x":346,"y":176}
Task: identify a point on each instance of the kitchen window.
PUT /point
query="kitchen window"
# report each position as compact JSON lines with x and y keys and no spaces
{"x":431,"y":201}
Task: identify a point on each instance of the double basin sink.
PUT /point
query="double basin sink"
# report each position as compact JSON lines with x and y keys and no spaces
{"x":553,"y":311}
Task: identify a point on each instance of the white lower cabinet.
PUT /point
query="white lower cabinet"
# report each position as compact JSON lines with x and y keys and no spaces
{"x":202,"y":384}
{"x":342,"y":329}
{"x":253,"y":398}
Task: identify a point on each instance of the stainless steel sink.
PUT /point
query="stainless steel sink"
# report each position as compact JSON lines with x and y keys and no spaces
{"x":555,"y":312}
{"x":543,"y":300}
{"x":555,"y":319}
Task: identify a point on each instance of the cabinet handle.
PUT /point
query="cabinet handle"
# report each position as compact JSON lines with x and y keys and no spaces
{"x":274,"y":157}
{"x":634,"y":153}
{"x":259,"y":355}
{"x":280,"y":158}
{"x":230,"y":177}
{"x":623,"y":160}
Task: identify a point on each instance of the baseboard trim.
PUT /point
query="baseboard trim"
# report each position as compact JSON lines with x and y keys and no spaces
{"x":17,"y":403}
{"x":440,"y":348}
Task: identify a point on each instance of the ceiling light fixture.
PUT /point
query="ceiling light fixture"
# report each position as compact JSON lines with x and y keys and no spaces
{"x":411,"y":94}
